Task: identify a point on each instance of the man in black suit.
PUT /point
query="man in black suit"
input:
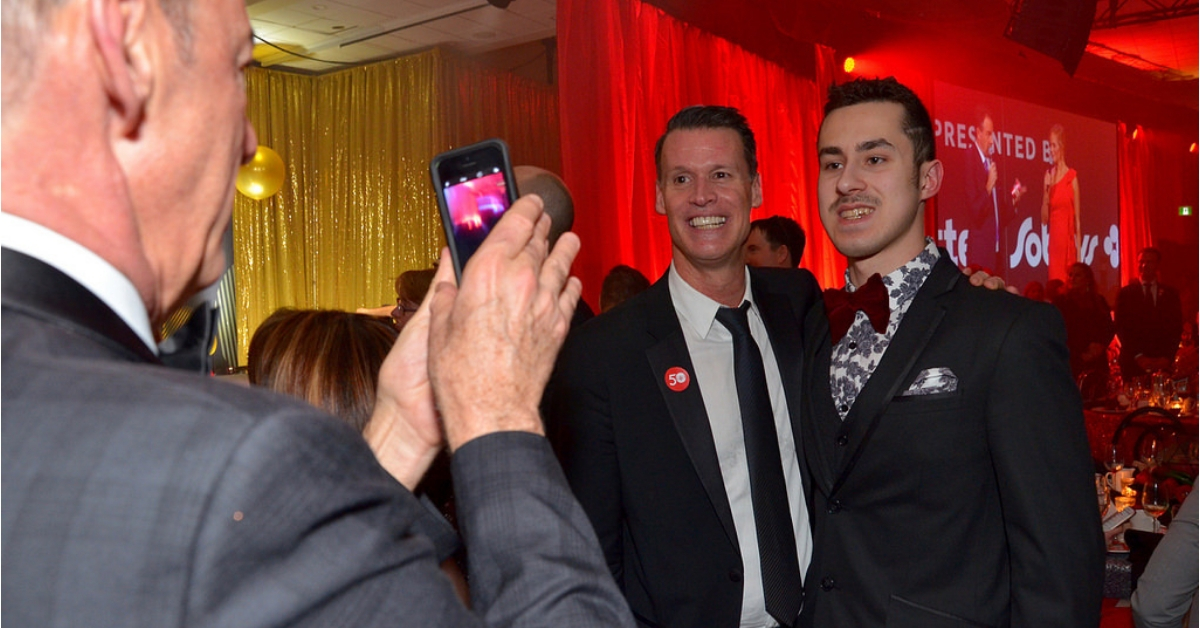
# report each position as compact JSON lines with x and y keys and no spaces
{"x":1149,"y":320}
{"x":950,"y":469}
{"x":139,"y":494}
{"x":658,"y":444}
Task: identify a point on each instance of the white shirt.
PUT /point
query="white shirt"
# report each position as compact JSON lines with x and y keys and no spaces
{"x":711,"y":348}
{"x":85,"y":267}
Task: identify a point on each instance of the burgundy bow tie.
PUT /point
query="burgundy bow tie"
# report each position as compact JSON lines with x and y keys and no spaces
{"x":871,"y":298}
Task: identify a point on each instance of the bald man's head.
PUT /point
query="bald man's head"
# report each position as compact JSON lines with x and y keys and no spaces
{"x":555,"y":196}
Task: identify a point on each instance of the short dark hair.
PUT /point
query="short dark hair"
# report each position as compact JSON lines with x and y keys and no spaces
{"x":621,"y":283}
{"x":710,"y":117}
{"x":1152,"y":251}
{"x":917,"y":124}
{"x":781,"y":230}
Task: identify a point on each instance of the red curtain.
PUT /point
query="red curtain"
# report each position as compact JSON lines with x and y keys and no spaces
{"x":624,"y":68}
{"x":1133,"y":161}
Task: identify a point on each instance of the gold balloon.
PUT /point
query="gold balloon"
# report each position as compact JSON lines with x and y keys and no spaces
{"x":263,"y":176}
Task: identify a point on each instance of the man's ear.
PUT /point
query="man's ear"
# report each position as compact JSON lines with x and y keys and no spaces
{"x":931,"y":179}
{"x":118,"y":29}
{"x":756,"y":198}
{"x":660,"y":203}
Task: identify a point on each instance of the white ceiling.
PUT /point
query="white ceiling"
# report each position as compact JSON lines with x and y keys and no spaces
{"x":327,"y":30}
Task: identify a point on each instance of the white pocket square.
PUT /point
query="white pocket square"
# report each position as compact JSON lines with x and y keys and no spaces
{"x":933,"y":381}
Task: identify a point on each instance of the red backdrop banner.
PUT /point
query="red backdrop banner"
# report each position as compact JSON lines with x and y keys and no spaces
{"x":624,"y":68}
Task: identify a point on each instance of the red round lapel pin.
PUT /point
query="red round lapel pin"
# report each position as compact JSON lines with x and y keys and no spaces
{"x":677,"y":379}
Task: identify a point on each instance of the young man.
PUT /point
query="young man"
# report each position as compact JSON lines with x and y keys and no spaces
{"x":944,"y":435}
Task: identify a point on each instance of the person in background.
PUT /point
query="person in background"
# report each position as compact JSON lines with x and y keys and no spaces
{"x":328,"y":358}
{"x":1149,"y":320}
{"x":1035,"y":291}
{"x":560,"y":207}
{"x":331,"y":359}
{"x":1187,"y":362}
{"x":1060,"y":207}
{"x":140,"y":494}
{"x":1089,"y":329}
{"x":1054,"y":289}
{"x":776,"y":242}
{"x":411,"y":288}
{"x":621,"y":283}
{"x":1166,"y":594}
{"x":942,"y":418}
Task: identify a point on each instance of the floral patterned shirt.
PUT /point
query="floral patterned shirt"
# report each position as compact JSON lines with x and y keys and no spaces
{"x":858,"y":353}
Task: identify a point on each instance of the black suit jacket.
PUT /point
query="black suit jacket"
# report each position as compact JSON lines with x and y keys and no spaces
{"x":642,"y":460}
{"x":966,"y":508}
{"x":135,"y":494}
{"x":1147,"y":328}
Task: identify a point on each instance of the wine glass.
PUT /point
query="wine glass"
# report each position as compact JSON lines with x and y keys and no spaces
{"x":1114,"y":462}
{"x":1149,"y":448}
{"x":1155,"y":500}
{"x":1101,"y":493}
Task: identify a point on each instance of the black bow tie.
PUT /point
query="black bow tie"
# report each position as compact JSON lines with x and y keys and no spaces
{"x":871,"y":298}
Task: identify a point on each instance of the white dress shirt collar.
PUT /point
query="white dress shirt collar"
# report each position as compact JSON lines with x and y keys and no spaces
{"x":77,"y":262}
{"x":694,"y":307}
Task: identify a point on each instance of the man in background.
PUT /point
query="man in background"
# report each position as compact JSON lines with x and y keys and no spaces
{"x":136,"y":493}
{"x":776,"y":242}
{"x":621,"y":284}
{"x":560,"y":207}
{"x":1149,"y":320}
{"x":941,"y":418}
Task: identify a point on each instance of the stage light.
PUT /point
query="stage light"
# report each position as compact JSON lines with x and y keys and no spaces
{"x":1136,"y":132}
{"x":1192,"y":148}
{"x":848,"y":65}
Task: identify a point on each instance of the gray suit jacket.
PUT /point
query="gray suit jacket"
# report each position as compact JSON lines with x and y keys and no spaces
{"x":138,"y":495}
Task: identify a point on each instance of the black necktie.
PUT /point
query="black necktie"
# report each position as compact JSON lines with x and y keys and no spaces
{"x":782,"y":584}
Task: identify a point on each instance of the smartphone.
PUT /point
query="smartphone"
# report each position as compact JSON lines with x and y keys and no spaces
{"x":474,"y":186}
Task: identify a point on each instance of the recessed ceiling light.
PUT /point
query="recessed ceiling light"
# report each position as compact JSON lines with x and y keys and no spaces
{"x":484,"y":35}
{"x":319,"y":7}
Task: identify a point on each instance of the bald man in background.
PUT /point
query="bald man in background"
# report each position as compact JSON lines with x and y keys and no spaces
{"x":560,"y":208}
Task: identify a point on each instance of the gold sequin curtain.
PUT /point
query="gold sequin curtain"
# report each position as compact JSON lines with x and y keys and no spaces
{"x":356,"y":208}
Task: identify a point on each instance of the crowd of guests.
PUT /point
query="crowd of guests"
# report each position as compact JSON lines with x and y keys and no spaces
{"x":734,"y":445}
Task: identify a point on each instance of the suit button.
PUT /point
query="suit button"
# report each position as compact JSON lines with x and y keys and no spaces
{"x":843,"y":408}
{"x":843,"y":440}
{"x":735,"y":575}
{"x":835,"y":506}
{"x":827,"y":583}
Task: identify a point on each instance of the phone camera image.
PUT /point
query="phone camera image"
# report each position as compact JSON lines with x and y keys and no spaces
{"x":475,"y":206}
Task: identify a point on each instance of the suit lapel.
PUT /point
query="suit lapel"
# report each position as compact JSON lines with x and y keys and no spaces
{"x":44,"y":292}
{"x":686,"y":406}
{"x":895,"y":369}
{"x":787,"y":343}
{"x":821,"y":418}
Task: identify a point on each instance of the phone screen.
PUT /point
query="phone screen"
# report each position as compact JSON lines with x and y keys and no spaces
{"x":475,"y":206}
{"x":475,"y":186}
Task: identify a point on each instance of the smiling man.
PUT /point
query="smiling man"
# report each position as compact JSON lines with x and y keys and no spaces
{"x":942,"y":418}
{"x":693,"y":485}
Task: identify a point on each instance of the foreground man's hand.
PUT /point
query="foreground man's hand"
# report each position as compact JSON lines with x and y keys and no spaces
{"x":493,"y":340}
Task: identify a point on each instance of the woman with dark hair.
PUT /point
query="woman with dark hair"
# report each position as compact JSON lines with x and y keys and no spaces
{"x":328,"y":358}
{"x":331,"y":359}
{"x":1089,"y":326}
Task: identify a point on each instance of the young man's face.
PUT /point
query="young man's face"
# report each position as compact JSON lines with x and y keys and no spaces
{"x":870,"y":190}
{"x":985,"y":134}
{"x":706,"y":193}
